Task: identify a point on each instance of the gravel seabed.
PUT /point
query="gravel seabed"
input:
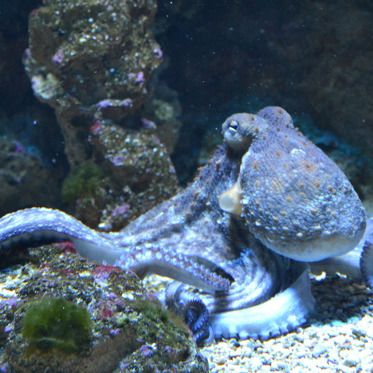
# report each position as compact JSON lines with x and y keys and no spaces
{"x":339,"y":338}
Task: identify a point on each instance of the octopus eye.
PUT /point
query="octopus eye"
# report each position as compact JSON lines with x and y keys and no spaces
{"x":233,"y":126}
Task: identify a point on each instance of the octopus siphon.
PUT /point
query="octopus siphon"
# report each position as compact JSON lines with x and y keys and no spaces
{"x":241,"y":235}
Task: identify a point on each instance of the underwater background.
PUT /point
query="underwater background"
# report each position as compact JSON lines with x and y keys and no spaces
{"x":169,"y":71}
{"x":109,"y":107}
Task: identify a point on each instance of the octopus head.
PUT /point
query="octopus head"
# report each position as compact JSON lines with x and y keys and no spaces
{"x":292,"y":197}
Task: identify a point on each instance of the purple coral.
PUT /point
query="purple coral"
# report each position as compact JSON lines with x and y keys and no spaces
{"x":58,"y":57}
{"x":140,"y":77}
{"x":158,"y":52}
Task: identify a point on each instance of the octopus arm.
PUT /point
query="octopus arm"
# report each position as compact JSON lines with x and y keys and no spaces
{"x":366,"y":259}
{"x":348,"y":265}
{"x":37,"y":225}
{"x":282,"y":313}
{"x":152,"y":258}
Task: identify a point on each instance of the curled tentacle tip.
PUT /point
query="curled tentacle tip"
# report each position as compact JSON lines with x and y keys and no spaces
{"x":179,"y":299}
{"x":196,"y":316}
{"x":230,"y":201}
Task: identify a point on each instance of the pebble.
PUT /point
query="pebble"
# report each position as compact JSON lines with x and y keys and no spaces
{"x":351,"y":360}
{"x":319,"y":350}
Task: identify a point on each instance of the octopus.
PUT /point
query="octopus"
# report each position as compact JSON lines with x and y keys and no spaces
{"x":240,"y":235}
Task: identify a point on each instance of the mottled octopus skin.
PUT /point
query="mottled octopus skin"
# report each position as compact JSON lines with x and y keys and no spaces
{"x":294,"y":198}
{"x":247,"y":289}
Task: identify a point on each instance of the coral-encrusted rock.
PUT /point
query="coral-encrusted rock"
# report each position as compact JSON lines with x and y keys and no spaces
{"x":162,"y":112}
{"x":141,"y":170}
{"x":125,"y":320}
{"x":25,"y":179}
{"x":91,"y":58}
{"x":137,"y":175}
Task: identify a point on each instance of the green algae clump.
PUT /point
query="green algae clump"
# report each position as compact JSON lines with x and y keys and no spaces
{"x":57,"y":324}
{"x":152,"y":310}
{"x":82,"y":180}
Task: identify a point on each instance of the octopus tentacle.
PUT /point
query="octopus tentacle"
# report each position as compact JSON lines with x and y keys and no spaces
{"x":153,"y":258}
{"x":366,"y":258}
{"x":357,"y":264}
{"x":282,"y":313}
{"x":53,"y":225}
{"x":37,"y":224}
{"x":196,"y":316}
{"x":193,"y":309}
